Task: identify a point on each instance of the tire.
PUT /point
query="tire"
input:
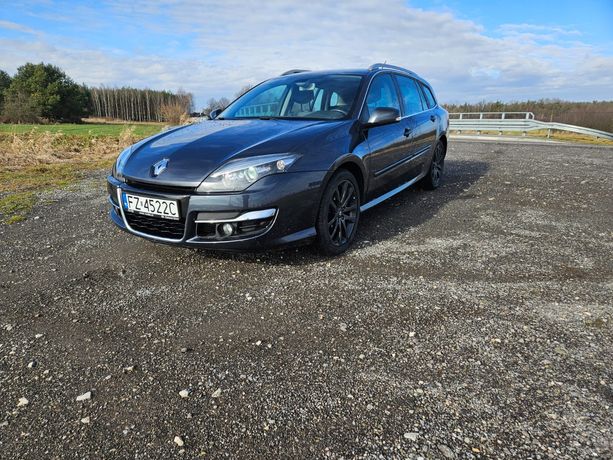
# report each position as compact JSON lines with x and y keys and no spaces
{"x":339,"y":214}
{"x":434,"y":177}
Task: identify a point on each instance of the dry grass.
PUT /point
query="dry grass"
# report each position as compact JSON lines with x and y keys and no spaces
{"x":119,"y":121}
{"x":174,"y":113}
{"x":41,"y":160}
{"x":43,"y":148}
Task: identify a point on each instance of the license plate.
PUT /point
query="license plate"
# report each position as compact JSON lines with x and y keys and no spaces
{"x":167,"y":209}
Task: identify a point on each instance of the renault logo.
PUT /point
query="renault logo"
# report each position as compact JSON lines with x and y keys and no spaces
{"x":159,"y":167}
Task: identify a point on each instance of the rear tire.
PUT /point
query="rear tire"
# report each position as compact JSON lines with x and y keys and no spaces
{"x":339,"y":214}
{"x":434,"y":177}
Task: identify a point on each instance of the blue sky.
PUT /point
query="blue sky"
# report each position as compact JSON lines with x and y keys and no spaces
{"x":593,"y":19}
{"x":470,"y":50}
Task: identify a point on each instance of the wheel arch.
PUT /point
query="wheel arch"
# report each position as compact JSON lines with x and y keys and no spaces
{"x":352,"y":164}
{"x":443,"y":139}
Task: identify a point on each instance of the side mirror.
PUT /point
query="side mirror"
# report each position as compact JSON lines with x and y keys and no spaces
{"x":215,"y":113}
{"x":383,"y":116}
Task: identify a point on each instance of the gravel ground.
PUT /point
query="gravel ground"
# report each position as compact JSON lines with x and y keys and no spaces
{"x":473,"y":321}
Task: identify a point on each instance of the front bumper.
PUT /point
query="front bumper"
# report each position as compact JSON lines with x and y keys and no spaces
{"x":278,"y":210}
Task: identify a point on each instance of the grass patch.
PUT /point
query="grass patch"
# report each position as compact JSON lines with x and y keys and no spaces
{"x":84,"y":129}
{"x":14,"y":207}
{"x":21,"y":186}
{"x":41,"y":177}
{"x":570,"y":137}
{"x":37,"y":160}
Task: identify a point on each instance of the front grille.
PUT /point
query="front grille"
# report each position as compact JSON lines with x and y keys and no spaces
{"x":156,"y":226}
{"x":146,"y":186}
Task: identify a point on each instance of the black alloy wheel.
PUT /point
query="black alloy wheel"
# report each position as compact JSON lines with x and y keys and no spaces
{"x":339,"y":214}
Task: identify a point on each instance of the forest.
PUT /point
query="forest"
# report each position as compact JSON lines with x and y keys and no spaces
{"x":133,"y":104}
{"x":40,"y":93}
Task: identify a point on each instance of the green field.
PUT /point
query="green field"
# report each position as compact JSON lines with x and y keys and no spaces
{"x":32,"y":161}
{"x":86,"y":129}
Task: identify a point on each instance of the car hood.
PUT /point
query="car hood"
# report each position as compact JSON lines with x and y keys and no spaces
{"x":195,"y":151}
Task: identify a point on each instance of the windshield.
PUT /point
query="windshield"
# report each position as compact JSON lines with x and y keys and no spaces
{"x":324,"y":97}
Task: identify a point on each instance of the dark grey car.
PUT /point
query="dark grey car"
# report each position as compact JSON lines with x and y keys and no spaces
{"x":297,"y":158}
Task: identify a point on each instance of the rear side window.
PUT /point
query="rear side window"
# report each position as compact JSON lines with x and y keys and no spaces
{"x":382,"y":93}
{"x":410,"y":95}
{"x":429,"y":96}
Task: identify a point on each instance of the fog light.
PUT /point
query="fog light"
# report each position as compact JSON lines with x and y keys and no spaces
{"x":227,"y":229}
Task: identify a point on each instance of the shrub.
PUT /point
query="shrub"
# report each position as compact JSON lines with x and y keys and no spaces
{"x":20,"y":108}
{"x":46,"y":91}
{"x":174,"y":113}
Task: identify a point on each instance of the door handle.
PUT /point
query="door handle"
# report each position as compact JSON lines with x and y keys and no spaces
{"x":407,"y":132}
{"x":432,"y":118}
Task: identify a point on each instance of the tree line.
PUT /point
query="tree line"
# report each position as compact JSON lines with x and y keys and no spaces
{"x":43,"y":92}
{"x":595,"y":114}
{"x":138,"y":104}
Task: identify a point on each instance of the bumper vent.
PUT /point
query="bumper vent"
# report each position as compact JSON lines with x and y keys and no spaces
{"x":156,"y":226}
{"x":228,"y":227}
{"x":241,"y":230}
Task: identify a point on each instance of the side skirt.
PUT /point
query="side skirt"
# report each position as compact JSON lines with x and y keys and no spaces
{"x":391,"y":193}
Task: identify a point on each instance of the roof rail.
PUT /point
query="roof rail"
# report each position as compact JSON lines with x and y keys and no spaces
{"x":293,"y":71}
{"x":379,"y":65}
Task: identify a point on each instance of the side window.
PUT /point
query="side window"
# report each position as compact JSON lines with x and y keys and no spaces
{"x":382,"y":93}
{"x":410,"y":95}
{"x":429,"y":96}
{"x":319,"y":97}
{"x":333,"y":99}
{"x":424,"y":104}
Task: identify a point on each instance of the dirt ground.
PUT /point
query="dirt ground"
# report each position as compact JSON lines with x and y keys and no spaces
{"x":470,"y":322}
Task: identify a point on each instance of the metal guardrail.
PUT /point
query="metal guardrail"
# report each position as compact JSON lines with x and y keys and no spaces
{"x":514,"y":122}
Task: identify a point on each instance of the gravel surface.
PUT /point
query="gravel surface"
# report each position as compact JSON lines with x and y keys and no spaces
{"x":472,"y":321}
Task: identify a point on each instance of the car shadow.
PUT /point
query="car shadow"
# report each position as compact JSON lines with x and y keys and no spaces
{"x":408,"y":209}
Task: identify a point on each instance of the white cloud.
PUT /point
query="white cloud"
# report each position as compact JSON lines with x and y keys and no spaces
{"x":233,"y":43}
{"x":538,"y":28}
{"x":14,"y":26}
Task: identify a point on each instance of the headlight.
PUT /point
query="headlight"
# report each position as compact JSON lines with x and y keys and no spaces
{"x":237,"y":175}
{"x":118,"y":166}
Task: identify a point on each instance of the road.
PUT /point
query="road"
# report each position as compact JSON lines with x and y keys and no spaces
{"x":472,"y":321}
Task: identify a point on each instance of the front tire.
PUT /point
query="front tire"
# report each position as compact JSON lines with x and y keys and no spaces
{"x":437,"y":165}
{"x":339,"y":214}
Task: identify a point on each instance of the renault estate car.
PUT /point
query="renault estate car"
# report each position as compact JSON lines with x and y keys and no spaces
{"x":297,"y":158}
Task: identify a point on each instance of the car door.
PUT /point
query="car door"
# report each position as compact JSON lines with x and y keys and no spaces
{"x":388,"y":144}
{"x":428,"y":123}
{"x":423,"y":127}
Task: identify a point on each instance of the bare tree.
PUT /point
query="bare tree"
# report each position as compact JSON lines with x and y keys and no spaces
{"x":243,"y":90}
{"x":137,"y":104}
{"x":214,"y":104}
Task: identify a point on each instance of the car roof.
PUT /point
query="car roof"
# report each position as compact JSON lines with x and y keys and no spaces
{"x":325,"y":72}
{"x":375,"y":68}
